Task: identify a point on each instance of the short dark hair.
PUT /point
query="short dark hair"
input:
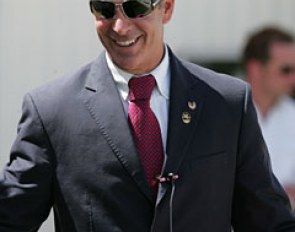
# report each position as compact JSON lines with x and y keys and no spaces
{"x":259,"y":43}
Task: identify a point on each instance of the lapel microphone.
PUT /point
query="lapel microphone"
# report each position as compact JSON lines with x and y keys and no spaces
{"x":170,"y":177}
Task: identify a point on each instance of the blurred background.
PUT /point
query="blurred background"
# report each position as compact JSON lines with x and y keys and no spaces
{"x":42,"y":40}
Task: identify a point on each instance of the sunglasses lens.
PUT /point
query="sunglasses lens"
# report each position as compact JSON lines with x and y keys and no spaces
{"x":103,"y":9}
{"x":136,"y":9}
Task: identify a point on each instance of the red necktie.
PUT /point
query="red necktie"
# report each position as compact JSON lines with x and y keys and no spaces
{"x":145,"y":128}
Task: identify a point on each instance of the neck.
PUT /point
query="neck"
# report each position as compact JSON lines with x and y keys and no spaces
{"x":264,"y":102}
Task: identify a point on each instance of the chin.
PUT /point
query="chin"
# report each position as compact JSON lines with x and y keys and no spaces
{"x":128,"y":64}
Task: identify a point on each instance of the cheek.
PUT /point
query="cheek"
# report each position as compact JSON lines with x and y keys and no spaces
{"x":101,"y":26}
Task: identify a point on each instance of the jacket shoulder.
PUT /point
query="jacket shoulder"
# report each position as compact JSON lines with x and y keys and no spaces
{"x":224,"y":84}
{"x":65,"y":84}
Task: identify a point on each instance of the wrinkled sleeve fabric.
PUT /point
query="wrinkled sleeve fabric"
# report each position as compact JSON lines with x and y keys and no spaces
{"x":260,"y":204}
{"x":26,"y":181}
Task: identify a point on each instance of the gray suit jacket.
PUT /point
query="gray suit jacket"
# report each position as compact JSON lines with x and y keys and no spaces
{"x":74,"y":151}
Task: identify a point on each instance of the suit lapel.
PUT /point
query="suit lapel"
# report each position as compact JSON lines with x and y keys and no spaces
{"x":186,"y":102}
{"x":105,"y":106}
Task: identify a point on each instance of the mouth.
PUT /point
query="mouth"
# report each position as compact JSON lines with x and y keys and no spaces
{"x":126,"y":43}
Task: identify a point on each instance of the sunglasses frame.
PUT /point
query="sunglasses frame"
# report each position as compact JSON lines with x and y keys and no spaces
{"x":152,"y":6}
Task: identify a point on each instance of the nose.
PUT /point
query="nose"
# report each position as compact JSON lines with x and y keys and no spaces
{"x":121,"y":24}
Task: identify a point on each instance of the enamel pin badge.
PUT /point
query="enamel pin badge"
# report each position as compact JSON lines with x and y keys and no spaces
{"x":186,"y":117}
{"x":192,"y":105}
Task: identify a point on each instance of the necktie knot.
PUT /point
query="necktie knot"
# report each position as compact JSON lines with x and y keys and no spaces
{"x":140,"y":88}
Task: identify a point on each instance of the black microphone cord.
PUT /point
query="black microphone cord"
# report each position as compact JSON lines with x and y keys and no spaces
{"x":170,"y":178}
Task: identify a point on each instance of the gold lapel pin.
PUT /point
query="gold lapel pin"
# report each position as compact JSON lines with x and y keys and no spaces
{"x":192,"y":105}
{"x":186,"y":117}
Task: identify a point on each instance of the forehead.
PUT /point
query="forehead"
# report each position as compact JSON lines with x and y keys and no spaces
{"x":283,"y":52}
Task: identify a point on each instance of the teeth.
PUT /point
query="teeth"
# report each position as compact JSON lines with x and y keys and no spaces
{"x":126,"y":43}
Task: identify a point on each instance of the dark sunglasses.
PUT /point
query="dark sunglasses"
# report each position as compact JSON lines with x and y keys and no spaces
{"x":132,"y":8}
{"x":287,"y":70}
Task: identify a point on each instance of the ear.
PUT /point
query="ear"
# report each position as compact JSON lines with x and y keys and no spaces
{"x":254,"y":68}
{"x":168,"y":8}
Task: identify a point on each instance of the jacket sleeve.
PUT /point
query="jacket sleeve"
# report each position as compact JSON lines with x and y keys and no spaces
{"x":260,"y":203}
{"x":26,"y":181}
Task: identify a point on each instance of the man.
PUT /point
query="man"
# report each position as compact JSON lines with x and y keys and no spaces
{"x":269,"y":59}
{"x":81,"y":148}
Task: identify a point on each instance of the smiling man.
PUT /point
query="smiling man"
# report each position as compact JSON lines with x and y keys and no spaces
{"x":141,"y":141}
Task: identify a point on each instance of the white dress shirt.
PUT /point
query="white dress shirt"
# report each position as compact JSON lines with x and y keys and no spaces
{"x":278,"y":129}
{"x":160,"y":95}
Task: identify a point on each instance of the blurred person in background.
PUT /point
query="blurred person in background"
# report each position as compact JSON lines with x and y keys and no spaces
{"x":269,"y":61}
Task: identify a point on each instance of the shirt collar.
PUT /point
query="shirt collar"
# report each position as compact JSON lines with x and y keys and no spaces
{"x":161,"y":74}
